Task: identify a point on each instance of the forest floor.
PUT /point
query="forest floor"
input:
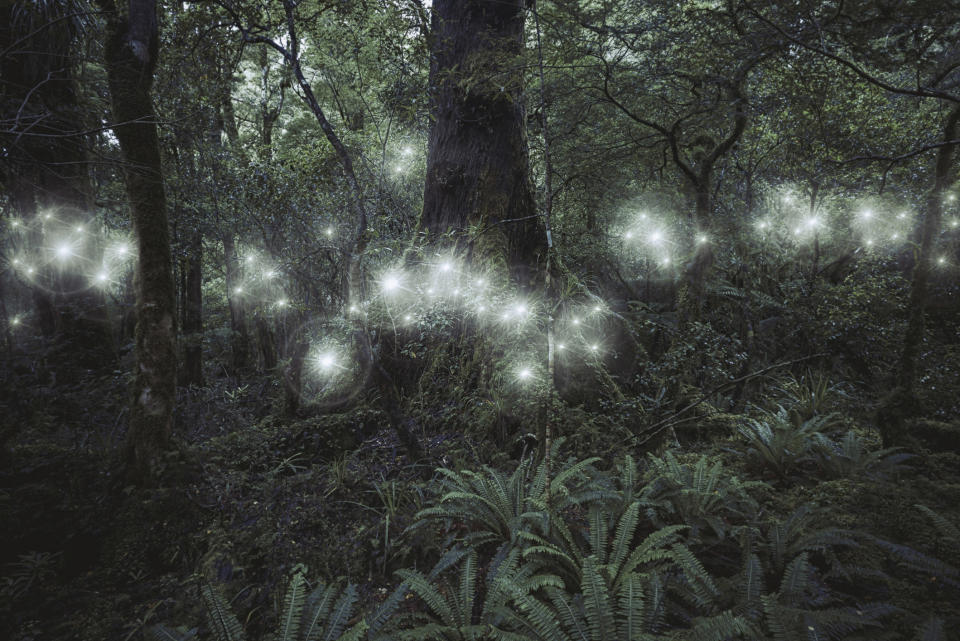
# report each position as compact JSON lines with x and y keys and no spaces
{"x":248,"y":495}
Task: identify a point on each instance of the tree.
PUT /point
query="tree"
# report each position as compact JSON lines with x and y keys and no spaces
{"x":477,"y":191}
{"x":131,"y":57}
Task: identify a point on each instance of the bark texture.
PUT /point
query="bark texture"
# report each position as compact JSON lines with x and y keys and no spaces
{"x":131,"y":55}
{"x":477,"y":163}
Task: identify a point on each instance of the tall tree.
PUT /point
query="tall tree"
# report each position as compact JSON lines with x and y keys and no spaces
{"x":131,"y":56}
{"x":477,"y":162}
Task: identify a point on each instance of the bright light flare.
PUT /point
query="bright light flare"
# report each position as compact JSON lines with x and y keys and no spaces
{"x":64,"y":251}
{"x":391,"y":283}
{"x":702,"y":239}
{"x":328,"y":232}
{"x":655,"y":238}
{"x":866,"y":214}
{"x":103,"y":277}
{"x":524,"y":374}
{"x":326,"y":361}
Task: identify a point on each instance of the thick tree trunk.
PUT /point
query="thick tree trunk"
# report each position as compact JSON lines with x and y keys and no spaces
{"x":477,"y":163}
{"x":131,"y":55}
{"x":902,"y":402}
{"x":193,"y":315}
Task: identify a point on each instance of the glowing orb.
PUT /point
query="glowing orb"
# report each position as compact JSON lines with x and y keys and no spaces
{"x":561,"y":346}
{"x":643,"y":216}
{"x":812,"y":222}
{"x":79,"y":229}
{"x":446,"y":266}
{"x":941,"y":261}
{"x":763,"y":224}
{"x":628,"y":235}
{"x":123,"y":249}
{"x":524,"y":374}
{"x":329,"y":231}
{"x":282,"y":302}
{"x":15,"y":223}
{"x":407,"y":318}
{"x":701,"y":239}
{"x":866,"y":214}
{"x":520,"y":309}
{"x":951,"y":197}
{"x":901,"y":215}
{"x":46,"y":216}
{"x":16,"y":261}
{"x":656,"y":238}
{"x":594,"y":347}
{"x":326,"y":361}
{"x":406,"y":151}
{"x":480,"y":283}
{"x":270,"y":274}
{"x":481,"y":308}
{"x":666,"y":261}
{"x":103,"y":277}
{"x":869,"y":242}
{"x":895,"y":237}
{"x":353,"y":309}
{"x":64,"y":251}
{"x":596,"y":308}
{"x":955,"y":223}
{"x":30,"y":270}
{"x":391,"y":283}
{"x":238,"y":290}
{"x":576,"y":321}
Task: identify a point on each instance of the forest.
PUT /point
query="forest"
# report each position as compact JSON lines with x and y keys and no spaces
{"x":502,"y":320}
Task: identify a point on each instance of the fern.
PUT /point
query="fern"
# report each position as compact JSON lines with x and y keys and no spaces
{"x":292,"y":610}
{"x":223,"y":622}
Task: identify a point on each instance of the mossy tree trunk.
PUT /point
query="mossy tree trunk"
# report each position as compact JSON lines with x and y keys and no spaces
{"x":478,"y":161}
{"x":131,"y":56}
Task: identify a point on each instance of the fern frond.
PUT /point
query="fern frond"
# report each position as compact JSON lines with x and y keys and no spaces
{"x":795,"y":578}
{"x":623,"y":535}
{"x":316,"y":609}
{"x":704,"y":590}
{"x":596,"y":598}
{"x":947,"y":529}
{"x":223,"y":622}
{"x":341,"y":613}
{"x":720,"y":627}
{"x":428,"y":593}
{"x":291,"y":612}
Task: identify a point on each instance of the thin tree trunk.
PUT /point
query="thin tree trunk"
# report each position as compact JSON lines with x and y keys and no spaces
{"x":239,"y":340}
{"x":131,"y":56}
{"x":193,"y":315}
{"x":902,"y":402}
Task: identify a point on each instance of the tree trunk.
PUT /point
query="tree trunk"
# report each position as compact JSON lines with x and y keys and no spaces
{"x":902,"y":402}
{"x":131,"y":55}
{"x":477,"y":162}
{"x":238,"y":322}
{"x":193,"y":319}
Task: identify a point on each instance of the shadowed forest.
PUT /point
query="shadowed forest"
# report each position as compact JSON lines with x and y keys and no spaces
{"x":502,"y":320}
